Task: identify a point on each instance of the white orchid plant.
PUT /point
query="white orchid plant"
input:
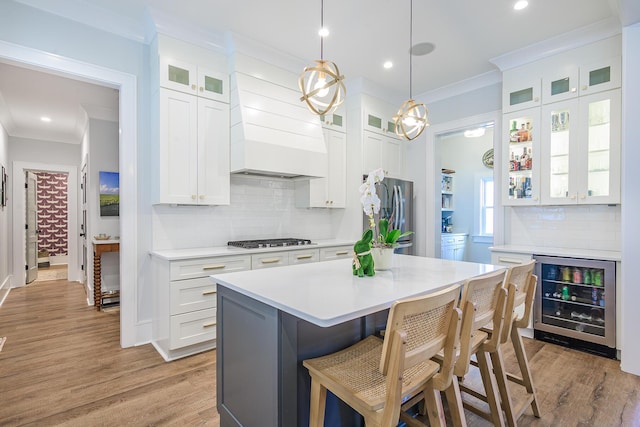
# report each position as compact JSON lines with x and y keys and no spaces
{"x":386,"y":235}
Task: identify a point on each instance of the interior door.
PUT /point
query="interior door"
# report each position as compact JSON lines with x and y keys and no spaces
{"x":32,"y":227}
{"x":83,"y":225}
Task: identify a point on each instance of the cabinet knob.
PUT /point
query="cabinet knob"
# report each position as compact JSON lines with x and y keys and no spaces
{"x":536,"y":99}
{"x":201,"y":89}
{"x":573,"y":197}
{"x":585,"y":87}
{"x":202,"y":197}
{"x":193,"y":197}
{"x":582,"y":197}
{"x":574,"y":89}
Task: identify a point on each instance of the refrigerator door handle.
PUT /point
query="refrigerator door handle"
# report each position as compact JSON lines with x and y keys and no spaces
{"x":401,"y":207}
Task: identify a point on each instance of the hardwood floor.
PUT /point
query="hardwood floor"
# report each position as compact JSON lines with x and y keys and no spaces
{"x":62,"y":365}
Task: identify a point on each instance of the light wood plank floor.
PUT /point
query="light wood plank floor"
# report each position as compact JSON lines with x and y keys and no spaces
{"x":62,"y":365}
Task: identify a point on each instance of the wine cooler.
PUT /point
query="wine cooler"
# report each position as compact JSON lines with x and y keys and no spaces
{"x":575,"y":304}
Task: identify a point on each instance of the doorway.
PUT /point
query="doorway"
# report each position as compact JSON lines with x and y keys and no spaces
{"x":433,"y":208}
{"x":467,"y":201}
{"x":131,"y":331}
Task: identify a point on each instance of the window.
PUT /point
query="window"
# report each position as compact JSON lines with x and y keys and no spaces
{"x":486,"y":206}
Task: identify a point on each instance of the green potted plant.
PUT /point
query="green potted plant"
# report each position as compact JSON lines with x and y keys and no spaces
{"x":387,"y":237}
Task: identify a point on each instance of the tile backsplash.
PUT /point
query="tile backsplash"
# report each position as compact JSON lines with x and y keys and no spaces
{"x":574,"y":227}
{"x":260,"y":208}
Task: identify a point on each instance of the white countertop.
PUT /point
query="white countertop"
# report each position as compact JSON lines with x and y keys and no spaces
{"x":104,"y":241}
{"x":174,"y":254}
{"x":563,"y":252}
{"x":327,"y":293}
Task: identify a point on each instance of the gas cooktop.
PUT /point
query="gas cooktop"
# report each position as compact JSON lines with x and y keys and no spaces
{"x":268,"y":243}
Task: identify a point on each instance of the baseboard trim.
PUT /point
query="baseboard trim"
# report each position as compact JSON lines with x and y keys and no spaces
{"x":4,"y":289}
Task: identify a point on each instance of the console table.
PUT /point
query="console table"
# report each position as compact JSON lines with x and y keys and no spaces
{"x":100,"y":247}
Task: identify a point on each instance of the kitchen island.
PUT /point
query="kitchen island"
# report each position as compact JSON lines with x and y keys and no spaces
{"x":271,"y":320}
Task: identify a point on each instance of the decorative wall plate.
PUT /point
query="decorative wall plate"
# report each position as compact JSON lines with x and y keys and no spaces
{"x":487,"y":158}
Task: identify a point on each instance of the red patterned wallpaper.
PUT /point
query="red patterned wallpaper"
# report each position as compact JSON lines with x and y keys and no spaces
{"x":52,"y":212}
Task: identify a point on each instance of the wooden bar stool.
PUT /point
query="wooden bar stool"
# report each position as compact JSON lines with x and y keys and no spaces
{"x":483,"y":301}
{"x":374,"y":376}
{"x":520,"y":284}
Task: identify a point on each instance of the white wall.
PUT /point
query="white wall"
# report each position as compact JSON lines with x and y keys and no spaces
{"x":464,"y":155}
{"x":103,"y":157}
{"x":630,"y":198}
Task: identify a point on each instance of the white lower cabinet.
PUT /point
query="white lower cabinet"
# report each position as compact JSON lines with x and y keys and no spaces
{"x":184,"y":320}
{"x":336,"y":252}
{"x":512,"y":259}
{"x":304,"y":256}
{"x":453,"y":246}
{"x":269,"y":259}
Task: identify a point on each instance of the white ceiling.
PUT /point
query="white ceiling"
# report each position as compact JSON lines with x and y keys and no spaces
{"x":468,"y":35}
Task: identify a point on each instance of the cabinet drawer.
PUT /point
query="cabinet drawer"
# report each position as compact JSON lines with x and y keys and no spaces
{"x":336,"y":252}
{"x":272,"y":259}
{"x":301,"y":257}
{"x":192,"y":328}
{"x":509,"y":259}
{"x":453,"y":240}
{"x":203,"y":267}
{"x":192,"y":295}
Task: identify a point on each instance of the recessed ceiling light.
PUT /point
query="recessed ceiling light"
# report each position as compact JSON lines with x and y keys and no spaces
{"x":45,"y":119}
{"x":323,"y":32}
{"x":521,"y":4}
{"x":387,"y":64}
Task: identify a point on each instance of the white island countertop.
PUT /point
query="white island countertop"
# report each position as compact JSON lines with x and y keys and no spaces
{"x":327,"y":293}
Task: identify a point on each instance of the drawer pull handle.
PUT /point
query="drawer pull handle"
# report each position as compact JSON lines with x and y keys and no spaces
{"x":211,"y":292}
{"x":304,"y":256}
{"x":509,"y":260}
{"x":208,"y":325}
{"x":270,"y":260}
{"x":213,"y":267}
{"x":342,"y":252}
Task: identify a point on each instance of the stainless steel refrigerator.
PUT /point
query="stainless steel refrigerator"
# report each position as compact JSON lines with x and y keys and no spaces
{"x":396,"y":205}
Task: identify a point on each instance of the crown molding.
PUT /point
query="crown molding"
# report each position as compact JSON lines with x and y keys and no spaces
{"x":463,"y":86}
{"x":573,"y":39}
{"x":164,"y":23}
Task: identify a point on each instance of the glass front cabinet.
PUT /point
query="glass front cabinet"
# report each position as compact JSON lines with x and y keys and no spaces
{"x":521,"y":158}
{"x":575,"y":303}
{"x":580,"y":151}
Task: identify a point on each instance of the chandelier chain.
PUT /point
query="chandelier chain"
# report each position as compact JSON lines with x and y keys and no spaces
{"x":410,"y":48}
{"x":321,"y":28}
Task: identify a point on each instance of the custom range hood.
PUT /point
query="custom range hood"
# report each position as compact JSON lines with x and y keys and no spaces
{"x":272,"y":131}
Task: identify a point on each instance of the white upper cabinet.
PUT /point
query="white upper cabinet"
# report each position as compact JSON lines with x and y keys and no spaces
{"x":329,"y":192}
{"x":569,"y":81}
{"x":581,"y":161}
{"x":382,"y":148}
{"x":520,"y":91}
{"x":335,"y":121}
{"x":192,"y":133}
{"x":194,"y":150}
{"x":599,"y":76}
{"x":574,"y":139}
{"x":196,"y":80}
{"x":521,"y":157}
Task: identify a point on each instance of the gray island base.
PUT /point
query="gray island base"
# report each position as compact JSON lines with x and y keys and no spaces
{"x":269,"y":321}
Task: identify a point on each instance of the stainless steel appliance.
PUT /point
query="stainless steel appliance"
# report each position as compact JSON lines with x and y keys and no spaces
{"x":575,"y":303}
{"x":396,"y":205}
{"x":268,"y":243}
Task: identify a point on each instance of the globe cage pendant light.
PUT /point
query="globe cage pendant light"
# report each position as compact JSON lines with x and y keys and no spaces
{"x":321,"y":83}
{"x":411,"y":118}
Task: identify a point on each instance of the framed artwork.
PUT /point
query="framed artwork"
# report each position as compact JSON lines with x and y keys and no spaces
{"x":3,"y":195}
{"x":109,"y":194}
